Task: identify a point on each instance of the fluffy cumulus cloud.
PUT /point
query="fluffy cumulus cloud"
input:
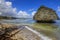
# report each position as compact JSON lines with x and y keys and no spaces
{"x":23,"y":14}
{"x":9,"y":4}
{"x":6,"y":9}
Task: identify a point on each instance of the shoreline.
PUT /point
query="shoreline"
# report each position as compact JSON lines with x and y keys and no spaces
{"x":22,"y":31}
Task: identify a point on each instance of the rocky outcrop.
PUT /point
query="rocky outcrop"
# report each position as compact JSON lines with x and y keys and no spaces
{"x":16,"y":32}
{"x":45,"y":14}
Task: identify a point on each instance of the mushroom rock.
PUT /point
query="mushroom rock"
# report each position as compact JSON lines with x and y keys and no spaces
{"x":45,"y":14}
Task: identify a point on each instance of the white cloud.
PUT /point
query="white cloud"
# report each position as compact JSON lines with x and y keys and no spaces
{"x":14,"y":9}
{"x":8,"y":4}
{"x":58,"y":9}
{"x":31,"y":9}
{"x":0,"y":1}
{"x":6,"y":9}
{"x":23,"y":14}
{"x":0,"y":13}
{"x":33,"y":13}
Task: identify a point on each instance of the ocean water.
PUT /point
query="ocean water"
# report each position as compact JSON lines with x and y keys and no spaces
{"x":27,"y":21}
{"x":51,"y":30}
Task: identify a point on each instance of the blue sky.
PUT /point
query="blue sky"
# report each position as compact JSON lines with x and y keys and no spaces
{"x":26,"y":5}
{"x":30,"y":6}
{"x":34,"y":4}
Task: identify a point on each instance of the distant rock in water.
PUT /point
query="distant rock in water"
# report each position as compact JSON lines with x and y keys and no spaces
{"x":45,"y":14}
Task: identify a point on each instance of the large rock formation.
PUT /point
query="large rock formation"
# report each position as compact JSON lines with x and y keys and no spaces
{"x":45,"y":14}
